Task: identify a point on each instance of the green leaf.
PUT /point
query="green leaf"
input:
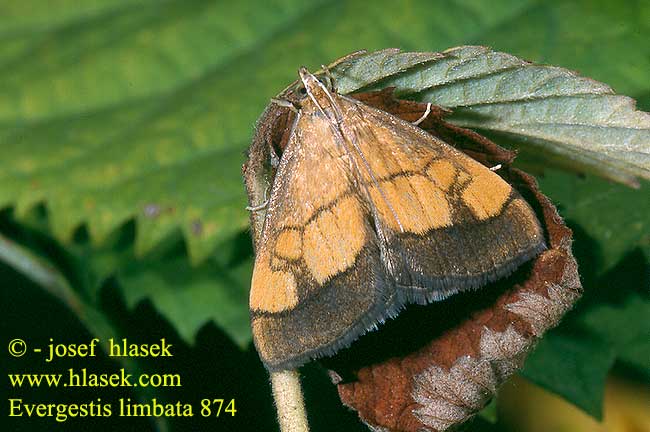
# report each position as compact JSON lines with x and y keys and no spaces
{"x":625,"y":327}
{"x":104,"y":177}
{"x":548,"y":107}
{"x":613,"y":216}
{"x":573,"y":366}
{"x":101,"y":55}
{"x":190,"y":297}
{"x":490,"y":413}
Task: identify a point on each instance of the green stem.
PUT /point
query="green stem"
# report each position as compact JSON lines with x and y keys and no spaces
{"x":39,"y":272}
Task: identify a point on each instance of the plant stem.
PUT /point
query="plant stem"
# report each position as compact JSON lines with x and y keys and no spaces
{"x":39,"y":272}
{"x":289,"y":401}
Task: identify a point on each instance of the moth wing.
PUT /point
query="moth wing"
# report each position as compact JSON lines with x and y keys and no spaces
{"x":445,"y":223}
{"x":318,"y":281}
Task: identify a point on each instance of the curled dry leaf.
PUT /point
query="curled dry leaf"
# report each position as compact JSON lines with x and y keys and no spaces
{"x":436,"y":366}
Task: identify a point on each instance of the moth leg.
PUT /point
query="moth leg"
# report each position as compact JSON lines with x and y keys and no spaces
{"x":424,"y":116}
{"x":274,"y":158}
{"x":260,"y":206}
{"x":495,"y":167}
{"x":285,"y":103}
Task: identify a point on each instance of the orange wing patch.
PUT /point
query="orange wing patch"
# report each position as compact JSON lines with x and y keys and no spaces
{"x":417,"y":202}
{"x":334,"y":238}
{"x":443,"y":173}
{"x":486,"y":193}
{"x":288,"y":245}
{"x":272,"y":290}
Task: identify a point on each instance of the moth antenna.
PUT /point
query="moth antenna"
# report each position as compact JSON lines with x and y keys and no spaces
{"x":285,"y":103}
{"x":424,"y":116}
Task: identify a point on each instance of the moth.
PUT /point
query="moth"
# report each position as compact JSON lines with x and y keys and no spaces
{"x":366,"y":214}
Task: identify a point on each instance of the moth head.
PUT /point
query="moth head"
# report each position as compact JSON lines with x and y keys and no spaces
{"x":317,"y":93}
{"x":312,"y":84}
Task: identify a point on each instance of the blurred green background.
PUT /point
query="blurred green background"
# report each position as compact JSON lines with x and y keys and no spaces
{"x":123,"y":126}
